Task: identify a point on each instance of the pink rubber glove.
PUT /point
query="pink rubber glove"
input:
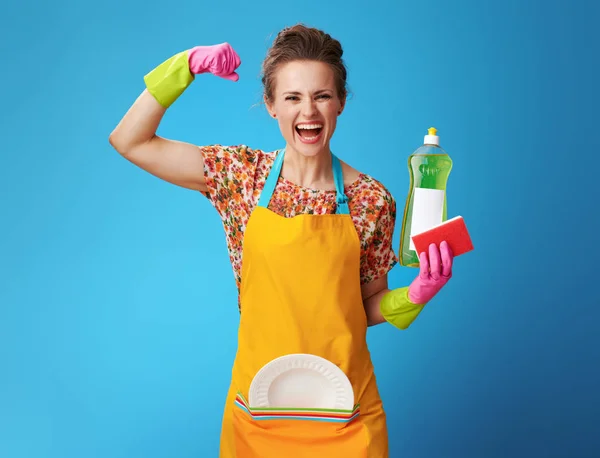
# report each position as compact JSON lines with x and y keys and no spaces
{"x":435,"y":271}
{"x":220,"y":60}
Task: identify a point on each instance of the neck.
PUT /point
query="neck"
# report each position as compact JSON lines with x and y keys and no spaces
{"x":308,"y":171}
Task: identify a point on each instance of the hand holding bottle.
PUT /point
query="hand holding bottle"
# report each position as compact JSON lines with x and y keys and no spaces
{"x":401,"y":306}
{"x":435,"y":271}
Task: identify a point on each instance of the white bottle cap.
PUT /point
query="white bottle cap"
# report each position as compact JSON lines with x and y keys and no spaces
{"x":432,"y":138}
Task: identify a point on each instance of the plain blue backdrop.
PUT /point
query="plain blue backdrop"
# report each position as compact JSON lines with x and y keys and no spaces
{"x":118,"y":311}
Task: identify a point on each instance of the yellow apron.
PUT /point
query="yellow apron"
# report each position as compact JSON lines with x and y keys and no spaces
{"x":301,"y":293}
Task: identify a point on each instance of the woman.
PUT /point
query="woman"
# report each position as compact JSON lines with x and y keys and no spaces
{"x":317,"y":242}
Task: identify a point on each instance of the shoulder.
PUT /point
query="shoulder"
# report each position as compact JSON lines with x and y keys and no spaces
{"x":367,"y":190}
{"x":351,"y":175}
{"x":237,"y":153}
{"x":234,"y":172}
{"x":240,"y":161}
{"x":372,"y":205}
{"x":362,"y":184}
{"x":366,"y":184}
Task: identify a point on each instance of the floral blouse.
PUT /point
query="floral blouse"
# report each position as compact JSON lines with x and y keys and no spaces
{"x":236,"y":175}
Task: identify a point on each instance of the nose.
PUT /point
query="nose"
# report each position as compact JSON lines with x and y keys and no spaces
{"x":309,"y":108}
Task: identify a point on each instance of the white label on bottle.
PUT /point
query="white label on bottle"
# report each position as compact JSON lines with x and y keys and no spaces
{"x":428,"y":211}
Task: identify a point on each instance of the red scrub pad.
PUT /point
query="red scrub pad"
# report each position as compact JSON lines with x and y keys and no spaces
{"x":454,"y":231}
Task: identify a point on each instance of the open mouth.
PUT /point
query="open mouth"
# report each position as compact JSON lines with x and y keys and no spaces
{"x":309,"y":133}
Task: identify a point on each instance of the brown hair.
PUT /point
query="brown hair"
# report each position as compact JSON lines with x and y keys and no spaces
{"x":304,"y":43}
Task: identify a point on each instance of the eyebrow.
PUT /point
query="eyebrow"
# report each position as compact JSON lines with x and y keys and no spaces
{"x":320,"y":91}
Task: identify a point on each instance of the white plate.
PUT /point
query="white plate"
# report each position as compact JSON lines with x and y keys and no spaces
{"x":301,"y":381}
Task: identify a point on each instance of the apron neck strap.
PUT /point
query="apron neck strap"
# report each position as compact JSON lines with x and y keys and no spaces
{"x":273,"y":177}
{"x":340,"y":198}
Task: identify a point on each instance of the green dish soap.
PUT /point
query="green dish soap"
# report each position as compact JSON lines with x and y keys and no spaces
{"x":429,"y":168}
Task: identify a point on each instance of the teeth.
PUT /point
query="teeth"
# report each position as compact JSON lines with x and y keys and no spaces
{"x":310,"y":126}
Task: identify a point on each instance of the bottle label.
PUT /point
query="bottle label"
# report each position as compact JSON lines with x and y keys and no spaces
{"x":428,"y":211}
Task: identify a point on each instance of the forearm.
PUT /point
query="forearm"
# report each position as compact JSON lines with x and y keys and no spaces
{"x":164,"y":84}
{"x":372,"y":308}
{"x":392,"y":306}
{"x":401,"y":306}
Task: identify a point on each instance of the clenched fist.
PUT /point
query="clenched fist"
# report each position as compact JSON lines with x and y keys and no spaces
{"x":220,"y":60}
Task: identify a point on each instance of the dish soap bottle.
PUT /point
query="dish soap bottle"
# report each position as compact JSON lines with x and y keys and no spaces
{"x":429,"y":168}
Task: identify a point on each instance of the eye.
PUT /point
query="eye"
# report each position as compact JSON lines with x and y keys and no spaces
{"x":291,"y":97}
{"x":324,"y":96}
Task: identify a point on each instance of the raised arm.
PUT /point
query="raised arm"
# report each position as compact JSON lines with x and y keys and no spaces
{"x":135,"y":136}
{"x":136,"y":140}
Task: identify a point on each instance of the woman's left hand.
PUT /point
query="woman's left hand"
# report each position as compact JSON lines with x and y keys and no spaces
{"x":435,"y":271}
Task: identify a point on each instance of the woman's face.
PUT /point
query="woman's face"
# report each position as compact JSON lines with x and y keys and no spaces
{"x":306,"y":105}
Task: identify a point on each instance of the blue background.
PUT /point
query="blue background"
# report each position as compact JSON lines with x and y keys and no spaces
{"x":118,"y":310}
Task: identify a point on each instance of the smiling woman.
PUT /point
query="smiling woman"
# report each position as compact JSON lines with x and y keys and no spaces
{"x":291,"y":214}
{"x":306,"y":104}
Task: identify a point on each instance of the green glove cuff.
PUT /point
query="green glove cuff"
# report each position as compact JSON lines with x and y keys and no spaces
{"x":168,"y":81}
{"x":398,"y":310}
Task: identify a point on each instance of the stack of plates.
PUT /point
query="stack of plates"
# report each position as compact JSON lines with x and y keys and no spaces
{"x":301,"y":380}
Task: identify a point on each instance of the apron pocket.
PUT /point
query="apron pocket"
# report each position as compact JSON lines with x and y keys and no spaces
{"x":297,"y":433}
